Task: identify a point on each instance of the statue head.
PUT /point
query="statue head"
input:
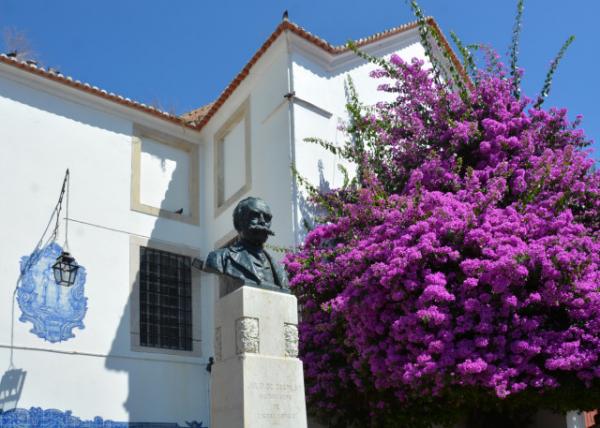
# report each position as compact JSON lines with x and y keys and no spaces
{"x":252,"y":220}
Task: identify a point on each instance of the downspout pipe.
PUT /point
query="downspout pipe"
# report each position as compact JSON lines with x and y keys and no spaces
{"x":292,"y":137}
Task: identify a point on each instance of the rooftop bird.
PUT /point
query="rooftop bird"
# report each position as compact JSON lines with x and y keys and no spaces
{"x":285,"y":15}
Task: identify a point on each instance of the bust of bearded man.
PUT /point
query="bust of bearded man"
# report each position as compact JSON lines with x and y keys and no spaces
{"x":245,"y":261}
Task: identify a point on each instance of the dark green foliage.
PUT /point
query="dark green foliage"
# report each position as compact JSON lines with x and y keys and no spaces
{"x":514,"y":50}
{"x":553,"y":66}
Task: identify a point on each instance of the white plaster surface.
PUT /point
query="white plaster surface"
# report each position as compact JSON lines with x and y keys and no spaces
{"x":269,"y":152}
{"x":234,"y":160}
{"x":257,"y":389}
{"x":164,"y":176}
{"x":95,"y":373}
{"x":47,"y":128}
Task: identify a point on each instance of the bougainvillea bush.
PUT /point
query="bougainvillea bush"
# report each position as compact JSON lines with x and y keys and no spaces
{"x":461,"y":270}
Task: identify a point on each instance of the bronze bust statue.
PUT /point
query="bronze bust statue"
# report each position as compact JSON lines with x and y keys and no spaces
{"x":245,"y":261}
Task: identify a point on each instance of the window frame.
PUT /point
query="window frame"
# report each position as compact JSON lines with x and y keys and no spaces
{"x":192,"y":150}
{"x":136,"y":243}
{"x":242,"y":113}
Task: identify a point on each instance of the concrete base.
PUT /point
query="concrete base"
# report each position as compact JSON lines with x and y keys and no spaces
{"x":257,"y":379}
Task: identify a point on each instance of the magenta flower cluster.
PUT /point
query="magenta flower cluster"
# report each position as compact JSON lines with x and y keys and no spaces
{"x":468,"y":256}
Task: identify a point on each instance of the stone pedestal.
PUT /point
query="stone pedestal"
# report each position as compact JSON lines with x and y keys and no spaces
{"x":257,"y":379}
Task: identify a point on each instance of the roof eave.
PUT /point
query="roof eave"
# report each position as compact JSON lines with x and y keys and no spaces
{"x":327,"y":47}
{"x":93,"y":90}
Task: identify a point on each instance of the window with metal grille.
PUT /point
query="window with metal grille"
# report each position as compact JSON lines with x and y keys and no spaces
{"x":165,"y":300}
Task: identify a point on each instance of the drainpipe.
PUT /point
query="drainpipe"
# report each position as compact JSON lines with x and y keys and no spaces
{"x":292,"y":136}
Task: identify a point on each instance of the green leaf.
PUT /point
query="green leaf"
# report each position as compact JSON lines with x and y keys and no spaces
{"x":325,"y":144}
{"x":468,"y":61}
{"x":344,"y":172}
{"x":553,"y":66}
{"x":389,"y":68}
{"x":514,"y":50}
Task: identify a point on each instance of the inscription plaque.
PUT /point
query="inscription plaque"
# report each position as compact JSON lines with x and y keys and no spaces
{"x":277,"y":407}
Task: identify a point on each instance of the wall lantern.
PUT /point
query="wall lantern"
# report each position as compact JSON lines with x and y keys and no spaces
{"x":65,"y":268}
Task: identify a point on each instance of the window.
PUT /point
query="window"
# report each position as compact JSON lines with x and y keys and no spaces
{"x":164,"y":179}
{"x":232,"y":159}
{"x":165,"y":300}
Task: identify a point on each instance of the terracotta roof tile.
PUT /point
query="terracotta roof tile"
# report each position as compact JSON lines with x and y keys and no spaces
{"x":94,"y":90}
{"x":197,"y":119}
{"x":195,"y":116}
{"x":301,"y":32}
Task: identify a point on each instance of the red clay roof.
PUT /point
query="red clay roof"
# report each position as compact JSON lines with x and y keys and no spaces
{"x":296,"y":29}
{"x":86,"y":87}
{"x":195,"y":116}
{"x":198,"y":118}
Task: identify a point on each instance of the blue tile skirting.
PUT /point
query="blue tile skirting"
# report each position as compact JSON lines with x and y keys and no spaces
{"x":36,"y":417}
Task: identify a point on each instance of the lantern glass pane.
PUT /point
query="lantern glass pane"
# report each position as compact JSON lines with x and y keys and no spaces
{"x":72,"y":273}
{"x":57,"y":274}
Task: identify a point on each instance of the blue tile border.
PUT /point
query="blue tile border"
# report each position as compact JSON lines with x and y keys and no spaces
{"x":36,"y":417}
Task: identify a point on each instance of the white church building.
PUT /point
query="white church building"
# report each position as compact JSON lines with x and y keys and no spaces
{"x":130,"y":344}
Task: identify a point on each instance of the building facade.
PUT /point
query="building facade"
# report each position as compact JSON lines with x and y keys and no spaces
{"x":149,"y":193}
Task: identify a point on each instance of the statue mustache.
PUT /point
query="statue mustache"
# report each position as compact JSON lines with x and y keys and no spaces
{"x":258,"y":227}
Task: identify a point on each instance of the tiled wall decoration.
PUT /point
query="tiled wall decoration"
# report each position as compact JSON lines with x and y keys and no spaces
{"x":53,"y":309}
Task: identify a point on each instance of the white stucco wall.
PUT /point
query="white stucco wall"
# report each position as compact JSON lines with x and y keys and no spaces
{"x":163,"y":167}
{"x":234,"y":151}
{"x":269,"y":149}
{"x":46,"y":129}
{"x":278,"y":128}
{"x":319,"y":84}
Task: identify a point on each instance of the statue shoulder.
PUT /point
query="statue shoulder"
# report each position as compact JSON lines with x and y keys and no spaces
{"x":280,"y":273}
{"x":215,"y":259}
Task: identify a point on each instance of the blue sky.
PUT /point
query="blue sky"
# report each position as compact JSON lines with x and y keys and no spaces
{"x":181,"y":54}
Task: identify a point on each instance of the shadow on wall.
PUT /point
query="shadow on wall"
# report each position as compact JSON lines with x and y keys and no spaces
{"x":152,"y":377}
{"x":309,"y":211}
{"x":11,"y":387}
{"x":73,"y":111}
{"x":13,"y":379}
{"x":162,"y":388}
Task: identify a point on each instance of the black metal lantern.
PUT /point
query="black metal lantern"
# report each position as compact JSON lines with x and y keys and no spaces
{"x":65,"y":269}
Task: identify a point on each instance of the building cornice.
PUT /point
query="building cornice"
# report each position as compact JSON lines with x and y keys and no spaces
{"x":337,"y":55}
{"x":57,"y":88}
{"x":332,"y":56}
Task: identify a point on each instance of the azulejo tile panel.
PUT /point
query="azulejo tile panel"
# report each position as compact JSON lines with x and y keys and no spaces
{"x":36,"y":417}
{"x":54,"y":310}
